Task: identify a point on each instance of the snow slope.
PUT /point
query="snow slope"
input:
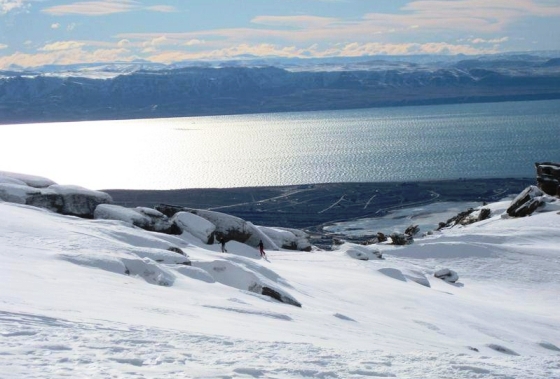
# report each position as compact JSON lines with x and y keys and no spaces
{"x":102,"y":299}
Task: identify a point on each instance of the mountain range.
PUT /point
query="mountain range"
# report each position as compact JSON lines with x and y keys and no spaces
{"x":146,"y":90}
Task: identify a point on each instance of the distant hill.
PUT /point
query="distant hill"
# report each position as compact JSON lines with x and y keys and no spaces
{"x":118,"y":91}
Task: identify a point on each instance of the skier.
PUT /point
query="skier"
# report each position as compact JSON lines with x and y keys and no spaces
{"x":223,"y":242}
{"x":261,"y":249}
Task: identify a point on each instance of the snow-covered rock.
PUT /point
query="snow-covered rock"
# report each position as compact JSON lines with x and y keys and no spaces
{"x":360,"y":252}
{"x":241,"y":276}
{"x":29,"y":180}
{"x":285,"y":238}
{"x":195,"y":225}
{"x":446,"y":274}
{"x":526,"y":202}
{"x":145,"y":218}
{"x":67,"y":200}
{"x":70,"y":200}
{"x":14,"y":192}
{"x":416,"y":276}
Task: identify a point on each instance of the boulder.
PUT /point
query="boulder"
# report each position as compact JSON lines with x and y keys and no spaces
{"x":446,"y":274}
{"x":526,"y":202}
{"x":145,"y":218}
{"x":28,"y":180}
{"x":548,"y":177}
{"x":230,"y":227}
{"x":67,"y":200}
{"x":290,"y":239}
{"x":14,"y":192}
{"x":197,"y":226}
{"x":381,"y":237}
{"x":401,"y":239}
{"x":412,"y":230}
{"x":227,"y":226}
{"x":363,"y":253}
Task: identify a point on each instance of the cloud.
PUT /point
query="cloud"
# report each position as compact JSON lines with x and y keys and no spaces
{"x":62,"y":45}
{"x":104,"y":7}
{"x":12,"y":5}
{"x":55,"y":26}
{"x":154,"y":43}
{"x":294,"y":21}
{"x":162,"y":8}
{"x":123,"y":43}
{"x":3,"y":46}
{"x":92,"y":8}
{"x":353,"y":49}
{"x":71,"y":26}
{"x":63,"y":57}
{"x":494,"y":40}
{"x":194,"y":42}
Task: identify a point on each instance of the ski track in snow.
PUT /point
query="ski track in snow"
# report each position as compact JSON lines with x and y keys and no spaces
{"x":45,"y":347}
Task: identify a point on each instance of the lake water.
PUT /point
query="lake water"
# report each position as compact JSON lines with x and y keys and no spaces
{"x":367,"y":145}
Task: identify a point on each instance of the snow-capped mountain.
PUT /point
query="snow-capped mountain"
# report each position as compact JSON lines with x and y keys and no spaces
{"x":104,"y":298}
{"x":144,"y":90}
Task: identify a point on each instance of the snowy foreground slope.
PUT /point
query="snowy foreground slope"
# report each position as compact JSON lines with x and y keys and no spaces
{"x":67,"y":309}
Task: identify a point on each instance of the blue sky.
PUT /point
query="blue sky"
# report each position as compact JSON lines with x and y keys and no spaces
{"x":39,"y":32}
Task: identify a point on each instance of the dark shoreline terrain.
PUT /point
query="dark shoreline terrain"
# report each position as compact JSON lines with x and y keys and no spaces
{"x":313,"y":205}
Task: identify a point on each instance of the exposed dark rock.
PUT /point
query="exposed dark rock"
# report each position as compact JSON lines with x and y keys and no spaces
{"x":526,"y":202}
{"x":502,"y":349}
{"x":176,"y":250}
{"x":381,"y":237}
{"x":170,"y":210}
{"x":548,"y":177}
{"x":412,"y":230}
{"x":484,"y":214}
{"x":69,"y":200}
{"x":267,"y":291}
{"x":401,"y":239}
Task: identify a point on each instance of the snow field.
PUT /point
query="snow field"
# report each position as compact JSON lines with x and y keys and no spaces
{"x":68,"y":309}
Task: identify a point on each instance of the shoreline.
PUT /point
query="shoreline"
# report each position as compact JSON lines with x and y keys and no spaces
{"x":311,"y":206}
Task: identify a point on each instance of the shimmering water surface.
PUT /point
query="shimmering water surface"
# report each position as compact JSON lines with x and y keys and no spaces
{"x":368,"y":145}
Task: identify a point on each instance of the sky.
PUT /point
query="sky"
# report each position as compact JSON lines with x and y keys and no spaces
{"x":40,"y":32}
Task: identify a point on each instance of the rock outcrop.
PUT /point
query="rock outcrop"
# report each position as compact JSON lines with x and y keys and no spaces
{"x":67,"y":200}
{"x":526,"y":202}
{"x":548,"y":177}
{"x":195,"y":225}
{"x":145,"y":218}
{"x":233,"y":228}
{"x":467,"y":217}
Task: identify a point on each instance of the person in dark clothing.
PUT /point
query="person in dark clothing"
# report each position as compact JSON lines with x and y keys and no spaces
{"x":261,"y":249}
{"x":223,"y":243}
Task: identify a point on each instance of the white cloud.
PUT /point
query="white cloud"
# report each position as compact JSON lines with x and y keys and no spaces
{"x":194,"y":42}
{"x":104,"y":7}
{"x":123,"y":43}
{"x":153,"y":44}
{"x":55,"y":26}
{"x":3,"y":46}
{"x":71,"y":26}
{"x":93,"y":8}
{"x":162,"y":8}
{"x":477,"y":41}
{"x":294,"y":21}
{"x":62,"y":45}
{"x":11,"y":5}
{"x":71,"y":56}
